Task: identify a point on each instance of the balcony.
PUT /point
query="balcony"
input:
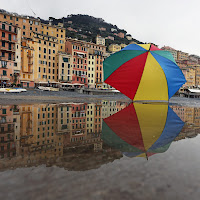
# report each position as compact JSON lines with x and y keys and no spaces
{"x":7,"y":49}
{"x":7,"y":40}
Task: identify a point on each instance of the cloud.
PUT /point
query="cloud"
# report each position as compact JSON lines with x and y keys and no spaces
{"x":172,"y":22}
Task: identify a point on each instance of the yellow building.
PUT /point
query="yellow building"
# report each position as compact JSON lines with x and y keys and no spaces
{"x":182,"y":55}
{"x":64,"y":118}
{"x":91,"y":71}
{"x":46,"y":50}
{"x":45,"y":131}
{"x":27,"y":66}
{"x":100,"y":40}
{"x":108,"y":108}
{"x":90,"y":118}
{"x":123,"y":46}
{"x":198,"y":76}
{"x":190,"y":76}
{"x":64,"y":67}
{"x":114,"y":48}
{"x":55,"y":31}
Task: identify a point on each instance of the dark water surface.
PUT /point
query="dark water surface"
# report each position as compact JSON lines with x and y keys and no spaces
{"x":104,"y":150}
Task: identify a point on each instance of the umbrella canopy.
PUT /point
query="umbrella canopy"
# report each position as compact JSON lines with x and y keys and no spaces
{"x":142,"y":129}
{"x":143,"y":72}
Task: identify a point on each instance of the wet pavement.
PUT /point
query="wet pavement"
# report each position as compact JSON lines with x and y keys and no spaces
{"x":102,"y":150}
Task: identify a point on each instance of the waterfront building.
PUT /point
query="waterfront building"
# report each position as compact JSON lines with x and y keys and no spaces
{"x":8,"y":37}
{"x":64,"y":67}
{"x":17,"y":65}
{"x":91,"y":71}
{"x":27,"y":66}
{"x":99,"y":71}
{"x":57,"y":31}
{"x":198,"y":76}
{"x":79,"y":52}
{"x":26,"y":23}
{"x":190,"y":76}
{"x":46,"y":50}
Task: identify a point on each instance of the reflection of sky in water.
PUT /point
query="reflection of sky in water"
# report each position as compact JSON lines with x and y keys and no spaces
{"x":83,"y":136}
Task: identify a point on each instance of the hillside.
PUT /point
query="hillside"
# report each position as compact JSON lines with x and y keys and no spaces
{"x":87,"y":27}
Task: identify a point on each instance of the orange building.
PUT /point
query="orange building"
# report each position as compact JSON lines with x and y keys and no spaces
{"x":26,"y":23}
{"x":27,"y":66}
{"x":7,"y":144}
{"x":8,"y":38}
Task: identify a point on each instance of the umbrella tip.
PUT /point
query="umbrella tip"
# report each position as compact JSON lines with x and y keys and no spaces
{"x":147,"y":156}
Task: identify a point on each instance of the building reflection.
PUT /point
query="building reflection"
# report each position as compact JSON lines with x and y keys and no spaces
{"x":67,"y":135}
{"x":191,"y":117}
{"x":36,"y":134}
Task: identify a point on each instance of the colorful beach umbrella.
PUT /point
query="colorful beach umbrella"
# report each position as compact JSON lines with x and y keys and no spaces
{"x":143,"y":72}
{"x":142,"y":129}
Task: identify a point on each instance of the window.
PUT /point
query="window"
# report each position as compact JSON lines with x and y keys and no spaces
{"x":3,"y":44}
{"x":4,"y":16}
{"x":3,"y":26}
{"x":4,"y":111}
{"x":4,"y":73}
{"x":24,"y":27}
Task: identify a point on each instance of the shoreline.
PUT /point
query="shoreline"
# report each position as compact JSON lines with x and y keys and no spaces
{"x":32,"y":97}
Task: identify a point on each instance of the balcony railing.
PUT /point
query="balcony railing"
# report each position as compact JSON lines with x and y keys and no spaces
{"x":7,"y":49}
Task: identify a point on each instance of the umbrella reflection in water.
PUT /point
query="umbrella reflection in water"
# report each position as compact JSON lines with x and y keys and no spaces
{"x":142,"y":130}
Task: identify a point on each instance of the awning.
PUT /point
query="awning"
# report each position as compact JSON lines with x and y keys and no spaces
{"x":80,"y":52}
{"x":55,"y":82}
{"x":4,"y":78}
{"x":194,"y":90}
{"x":66,"y":84}
{"x":25,"y":81}
{"x":77,"y":84}
{"x":43,"y":82}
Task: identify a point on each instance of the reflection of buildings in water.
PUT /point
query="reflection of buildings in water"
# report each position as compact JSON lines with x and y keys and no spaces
{"x":41,"y":133}
{"x":111,"y":107}
{"x":7,"y":135}
{"x":191,"y":117}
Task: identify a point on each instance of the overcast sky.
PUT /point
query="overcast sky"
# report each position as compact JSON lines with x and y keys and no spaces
{"x":173,"y":23}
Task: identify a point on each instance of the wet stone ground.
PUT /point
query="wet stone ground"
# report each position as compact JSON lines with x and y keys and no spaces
{"x":76,"y":162}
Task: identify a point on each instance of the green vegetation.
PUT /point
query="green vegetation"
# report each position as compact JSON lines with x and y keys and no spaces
{"x":88,"y":26}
